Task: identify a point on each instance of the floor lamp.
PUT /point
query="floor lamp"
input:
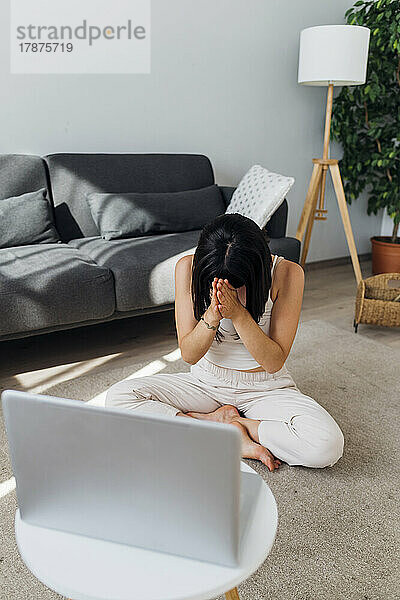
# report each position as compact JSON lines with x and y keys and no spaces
{"x":330,"y":55}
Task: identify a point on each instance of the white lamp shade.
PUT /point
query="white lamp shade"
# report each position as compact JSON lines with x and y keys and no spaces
{"x":335,"y":54}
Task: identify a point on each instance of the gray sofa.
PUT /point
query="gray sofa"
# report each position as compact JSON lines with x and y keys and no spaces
{"x":85,"y":279}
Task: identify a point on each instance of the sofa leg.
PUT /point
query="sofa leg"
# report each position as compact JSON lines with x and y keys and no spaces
{"x":232,"y":595}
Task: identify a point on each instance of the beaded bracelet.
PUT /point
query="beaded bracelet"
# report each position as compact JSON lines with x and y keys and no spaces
{"x":208,"y":324}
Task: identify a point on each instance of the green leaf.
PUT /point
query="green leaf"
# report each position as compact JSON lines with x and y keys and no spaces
{"x":370,"y":141}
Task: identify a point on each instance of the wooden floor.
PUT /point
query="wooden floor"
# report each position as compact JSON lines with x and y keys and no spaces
{"x":53,"y":358}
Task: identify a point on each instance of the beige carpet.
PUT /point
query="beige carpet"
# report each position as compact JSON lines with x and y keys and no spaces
{"x":338,"y":535}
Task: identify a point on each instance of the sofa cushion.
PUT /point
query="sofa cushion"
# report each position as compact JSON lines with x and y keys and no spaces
{"x":143,"y":268}
{"x":135,"y":215}
{"x":74,"y":175}
{"x":48,"y":285}
{"x":21,"y":173}
{"x":276,"y":226}
{"x":27,"y":219}
{"x":259,"y":194}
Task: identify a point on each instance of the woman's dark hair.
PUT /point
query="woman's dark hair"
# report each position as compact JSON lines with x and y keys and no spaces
{"x":235,"y":248}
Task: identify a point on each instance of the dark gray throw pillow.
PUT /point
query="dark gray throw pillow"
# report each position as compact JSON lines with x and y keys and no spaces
{"x":138,"y":214}
{"x":27,"y":219}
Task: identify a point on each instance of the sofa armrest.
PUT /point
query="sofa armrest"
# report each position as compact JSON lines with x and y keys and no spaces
{"x":227,"y":193}
{"x":276,"y":226}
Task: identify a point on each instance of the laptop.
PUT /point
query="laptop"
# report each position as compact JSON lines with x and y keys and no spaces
{"x":165,"y":484}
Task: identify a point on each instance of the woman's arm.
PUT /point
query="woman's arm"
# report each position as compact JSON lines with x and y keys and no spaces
{"x":194,"y":337}
{"x":270,"y":351}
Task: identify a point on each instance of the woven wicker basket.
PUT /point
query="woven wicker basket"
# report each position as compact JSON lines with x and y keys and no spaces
{"x":378,"y":301}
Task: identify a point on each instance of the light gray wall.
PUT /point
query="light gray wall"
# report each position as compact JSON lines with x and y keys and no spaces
{"x":223,"y":83}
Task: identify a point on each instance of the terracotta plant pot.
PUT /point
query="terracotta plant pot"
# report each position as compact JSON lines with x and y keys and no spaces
{"x":385,"y":255}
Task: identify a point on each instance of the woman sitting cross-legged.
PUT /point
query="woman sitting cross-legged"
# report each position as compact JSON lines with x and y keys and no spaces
{"x":237,"y":310}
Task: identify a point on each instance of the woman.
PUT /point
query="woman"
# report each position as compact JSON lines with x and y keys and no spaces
{"x":237,"y":311}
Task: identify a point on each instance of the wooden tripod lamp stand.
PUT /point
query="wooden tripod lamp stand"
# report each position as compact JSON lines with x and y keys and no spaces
{"x":330,"y":55}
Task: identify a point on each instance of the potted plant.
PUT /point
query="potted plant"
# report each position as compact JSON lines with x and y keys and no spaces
{"x":366,"y":121}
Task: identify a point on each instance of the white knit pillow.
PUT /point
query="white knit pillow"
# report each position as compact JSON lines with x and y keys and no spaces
{"x":259,"y":194}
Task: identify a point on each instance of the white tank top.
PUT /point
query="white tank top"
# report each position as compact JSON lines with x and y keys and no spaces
{"x":231,"y":353}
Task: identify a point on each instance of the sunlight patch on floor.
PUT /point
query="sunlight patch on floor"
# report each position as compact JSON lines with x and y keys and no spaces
{"x":40,"y":381}
{"x":151,"y":368}
{"x":173,"y":356}
{"x":7,"y":486}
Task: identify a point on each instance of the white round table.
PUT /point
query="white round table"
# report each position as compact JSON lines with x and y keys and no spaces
{"x":83,"y":568}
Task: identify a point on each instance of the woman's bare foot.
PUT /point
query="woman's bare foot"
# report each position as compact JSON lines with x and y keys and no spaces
{"x":251,"y":449}
{"x":225,"y":414}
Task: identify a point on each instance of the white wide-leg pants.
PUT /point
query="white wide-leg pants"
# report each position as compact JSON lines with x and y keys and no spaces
{"x":293,"y":426}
